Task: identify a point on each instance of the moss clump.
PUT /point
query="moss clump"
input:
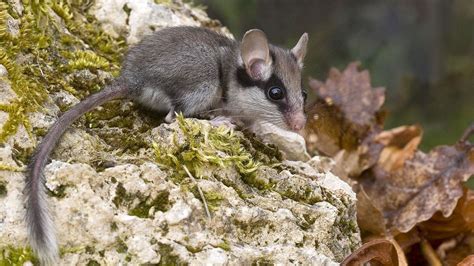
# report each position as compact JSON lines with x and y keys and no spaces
{"x":3,"y":188}
{"x":168,"y":257}
{"x":16,"y":256}
{"x":224,"y":245}
{"x":142,"y":209}
{"x":42,"y":50}
{"x":205,"y":146}
{"x":262,"y":262}
{"x":213,"y":199}
{"x":159,"y":203}
{"x":93,"y":263}
{"x":59,"y":192}
{"x":79,"y":60}
{"x":121,"y":247}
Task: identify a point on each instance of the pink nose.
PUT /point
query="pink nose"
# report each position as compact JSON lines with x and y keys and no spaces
{"x":297,"y":121}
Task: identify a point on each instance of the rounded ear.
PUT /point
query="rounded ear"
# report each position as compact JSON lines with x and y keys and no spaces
{"x":299,"y":51}
{"x":255,"y":55}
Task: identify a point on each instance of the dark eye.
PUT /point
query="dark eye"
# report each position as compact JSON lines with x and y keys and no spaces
{"x":275,"y":93}
{"x":305,"y":94}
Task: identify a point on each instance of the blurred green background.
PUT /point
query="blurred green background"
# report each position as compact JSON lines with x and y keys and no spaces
{"x":422,"y":51}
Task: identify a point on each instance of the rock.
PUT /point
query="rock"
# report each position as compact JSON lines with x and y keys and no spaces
{"x":137,"y":18}
{"x":290,"y":143}
{"x":118,"y":189}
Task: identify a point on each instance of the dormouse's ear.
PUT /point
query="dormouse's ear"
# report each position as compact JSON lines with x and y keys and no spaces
{"x":256,"y":55}
{"x":299,"y":51}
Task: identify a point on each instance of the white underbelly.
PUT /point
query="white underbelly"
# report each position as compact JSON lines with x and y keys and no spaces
{"x":155,"y":99}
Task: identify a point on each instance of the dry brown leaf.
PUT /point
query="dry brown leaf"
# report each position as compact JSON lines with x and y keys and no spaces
{"x":468,"y":261}
{"x":369,"y":217}
{"x":413,"y":190}
{"x":400,"y":144}
{"x":344,"y":120}
{"x":407,"y":240}
{"x":463,"y":249}
{"x":352,"y":93}
{"x":461,"y":221}
{"x":383,"y":251}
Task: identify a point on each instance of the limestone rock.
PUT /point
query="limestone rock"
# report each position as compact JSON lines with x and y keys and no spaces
{"x":290,"y":143}
{"x":117,"y":184}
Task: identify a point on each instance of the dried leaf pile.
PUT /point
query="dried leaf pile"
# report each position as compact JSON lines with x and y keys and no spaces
{"x":413,"y":207}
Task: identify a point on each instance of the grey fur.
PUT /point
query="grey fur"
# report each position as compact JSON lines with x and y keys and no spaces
{"x":182,"y":69}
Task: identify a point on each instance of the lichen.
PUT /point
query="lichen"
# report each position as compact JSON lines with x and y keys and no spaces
{"x":10,"y":255}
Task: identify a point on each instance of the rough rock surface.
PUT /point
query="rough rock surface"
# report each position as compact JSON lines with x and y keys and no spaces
{"x":118,"y":189}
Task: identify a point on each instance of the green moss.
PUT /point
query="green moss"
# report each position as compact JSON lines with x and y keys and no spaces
{"x":16,"y":256}
{"x":121,"y":247}
{"x":160,"y":203}
{"x":113,"y":226}
{"x":262,"y":262}
{"x":59,"y":192}
{"x":168,"y":257}
{"x":142,"y":209}
{"x":3,"y":188}
{"x":193,"y":249}
{"x":20,"y":154}
{"x":93,"y":263}
{"x":224,"y":245}
{"x":38,"y":57}
{"x":4,"y":167}
{"x":205,"y":146}
{"x":121,"y":195}
{"x":79,"y":60}
{"x":213,"y":199}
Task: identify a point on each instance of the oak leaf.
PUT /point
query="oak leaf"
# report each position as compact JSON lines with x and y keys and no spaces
{"x":415,"y":185}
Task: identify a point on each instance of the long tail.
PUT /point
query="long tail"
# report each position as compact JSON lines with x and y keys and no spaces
{"x":40,"y":225}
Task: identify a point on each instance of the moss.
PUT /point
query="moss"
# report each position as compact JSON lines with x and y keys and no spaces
{"x":142,"y":209}
{"x":16,"y":256}
{"x":224,"y":245}
{"x":262,"y":262}
{"x":3,"y":188}
{"x":93,"y":263}
{"x":79,"y":60}
{"x":159,"y":203}
{"x":10,"y":168}
{"x":205,"y":146}
{"x":113,"y":226}
{"x":213,"y":199}
{"x":193,"y":249}
{"x":38,"y":57}
{"x":113,"y":114}
{"x":121,"y":247}
{"x":20,"y":154}
{"x":59,"y":192}
{"x":120,"y":195}
{"x":168,"y":257}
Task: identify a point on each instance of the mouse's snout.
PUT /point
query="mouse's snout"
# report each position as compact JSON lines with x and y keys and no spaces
{"x":296,"y":121}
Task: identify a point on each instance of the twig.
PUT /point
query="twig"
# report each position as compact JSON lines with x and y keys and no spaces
{"x":467,"y":133}
{"x":200,"y":191}
{"x":429,"y":253}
